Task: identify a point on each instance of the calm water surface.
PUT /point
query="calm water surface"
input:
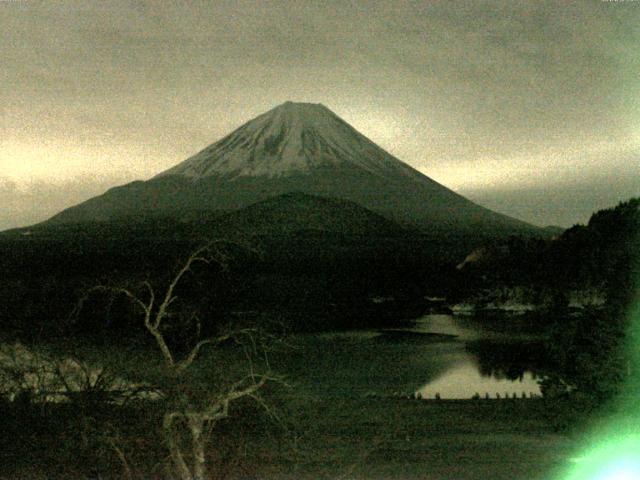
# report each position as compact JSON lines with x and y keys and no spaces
{"x":439,"y":354}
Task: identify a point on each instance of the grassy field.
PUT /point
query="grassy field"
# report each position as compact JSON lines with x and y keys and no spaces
{"x":382,"y":438}
{"x":314,"y":438}
{"x":317,"y":429}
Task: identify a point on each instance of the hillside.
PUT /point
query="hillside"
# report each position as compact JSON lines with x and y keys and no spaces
{"x":601,"y":256}
{"x":296,"y":212}
{"x":296,"y":147}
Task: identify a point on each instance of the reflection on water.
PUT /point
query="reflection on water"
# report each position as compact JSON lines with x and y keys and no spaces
{"x":456,"y":358}
{"x":446,"y":324}
{"x":465,"y":381}
{"x":492,"y":364}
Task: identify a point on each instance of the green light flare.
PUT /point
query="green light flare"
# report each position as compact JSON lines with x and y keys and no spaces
{"x":616,"y":459}
{"x":613,"y":453}
{"x":632,"y":388}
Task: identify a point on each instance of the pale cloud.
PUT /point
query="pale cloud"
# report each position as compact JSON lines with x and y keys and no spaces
{"x":482,"y":95}
{"x":578,"y":165}
{"x":27,"y":203}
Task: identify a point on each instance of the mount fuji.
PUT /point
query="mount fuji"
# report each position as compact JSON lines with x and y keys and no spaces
{"x":294,"y":148}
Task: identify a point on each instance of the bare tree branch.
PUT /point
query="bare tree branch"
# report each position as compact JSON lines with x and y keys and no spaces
{"x":199,"y":420}
{"x":123,"y":459}
{"x":193,"y":354}
{"x":169,"y":297}
{"x":174,"y":448}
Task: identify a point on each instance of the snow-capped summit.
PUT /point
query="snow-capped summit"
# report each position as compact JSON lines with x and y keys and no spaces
{"x":289,"y":139}
{"x":295,"y":147}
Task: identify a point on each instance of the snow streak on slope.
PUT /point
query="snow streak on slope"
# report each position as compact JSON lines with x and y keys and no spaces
{"x":292,"y":138}
{"x":296,"y":147}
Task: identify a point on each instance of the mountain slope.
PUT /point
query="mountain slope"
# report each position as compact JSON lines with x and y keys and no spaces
{"x":296,"y":147}
{"x":291,"y":138}
{"x":296,"y":212}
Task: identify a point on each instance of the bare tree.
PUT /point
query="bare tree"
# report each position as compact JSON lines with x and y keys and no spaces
{"x":187,"y":416}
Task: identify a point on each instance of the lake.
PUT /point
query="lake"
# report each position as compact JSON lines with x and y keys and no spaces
{"x":453,"y":357}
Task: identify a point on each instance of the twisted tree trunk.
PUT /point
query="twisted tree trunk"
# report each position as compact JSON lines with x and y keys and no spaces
{"x":196,"y":424}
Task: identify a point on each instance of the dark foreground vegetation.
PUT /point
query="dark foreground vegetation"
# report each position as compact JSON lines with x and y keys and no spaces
{"x":310,"y":279}
{"x":79,"y":293}
{"x":321,"y":438}
{"x":592,"y":343}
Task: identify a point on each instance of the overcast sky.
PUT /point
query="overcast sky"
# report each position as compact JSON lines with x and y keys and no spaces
{"x":531,"y":108}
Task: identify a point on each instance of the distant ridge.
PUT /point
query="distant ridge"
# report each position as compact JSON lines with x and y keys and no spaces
{"x":298,"y":212}
{"x":296,"y":147}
